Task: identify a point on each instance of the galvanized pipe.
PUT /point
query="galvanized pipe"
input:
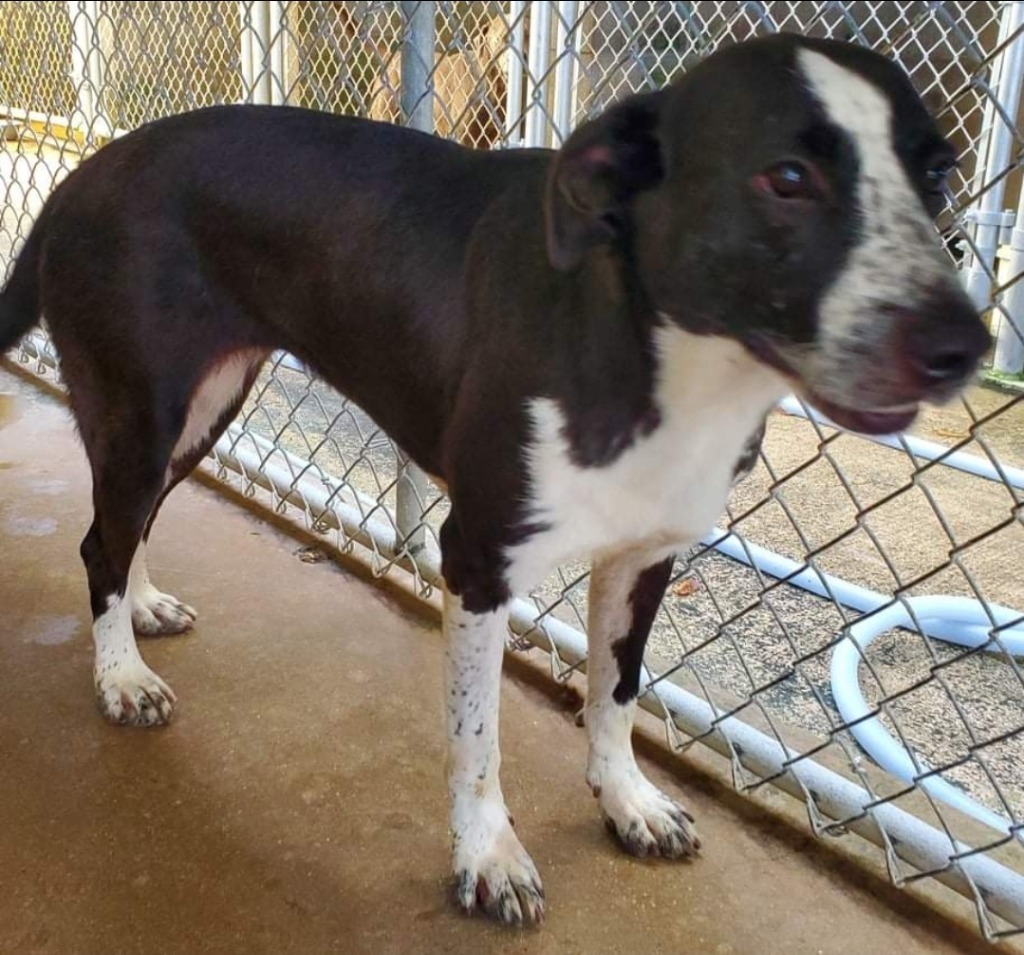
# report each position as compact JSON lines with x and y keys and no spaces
{"x":997,"y":144}
{"x":417,"y":103}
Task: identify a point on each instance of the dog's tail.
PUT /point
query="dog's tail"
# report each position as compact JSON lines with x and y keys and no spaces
{"x":19,"y":300}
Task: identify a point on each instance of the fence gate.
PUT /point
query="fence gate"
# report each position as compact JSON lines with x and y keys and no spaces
{"x":853,"y":632}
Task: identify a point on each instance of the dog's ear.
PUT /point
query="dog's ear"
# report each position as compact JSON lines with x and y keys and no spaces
{"x":593,"y":177}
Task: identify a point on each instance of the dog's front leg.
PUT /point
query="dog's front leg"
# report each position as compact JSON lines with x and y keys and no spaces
{"x":492,"y":869}
{"x":625,"y":591}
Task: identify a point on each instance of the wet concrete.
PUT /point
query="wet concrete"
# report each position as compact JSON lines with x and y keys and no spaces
{"x":297,"y":802}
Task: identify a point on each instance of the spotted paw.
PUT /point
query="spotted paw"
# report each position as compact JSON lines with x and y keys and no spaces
{"x":646,"y":821}
{"x":134,"y":696}
{"x":154,"y":613}
{"x":493,"y":872}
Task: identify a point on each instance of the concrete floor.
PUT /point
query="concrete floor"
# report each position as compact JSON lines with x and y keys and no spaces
{"x":297,"y":802}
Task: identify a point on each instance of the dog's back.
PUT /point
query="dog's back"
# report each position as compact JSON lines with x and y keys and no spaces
{"x":198,"y":227}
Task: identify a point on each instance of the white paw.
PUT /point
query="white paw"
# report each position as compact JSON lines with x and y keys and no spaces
{"x":493,"y":872}
{"x":154,"y":613}
{"x":645,"y":820}
{"x":134,"y":695}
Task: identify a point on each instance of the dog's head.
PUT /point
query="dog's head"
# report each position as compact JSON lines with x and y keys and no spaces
{"x":782,"y":193}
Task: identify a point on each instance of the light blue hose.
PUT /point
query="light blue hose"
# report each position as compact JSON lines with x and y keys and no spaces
{"x":958,"y":620}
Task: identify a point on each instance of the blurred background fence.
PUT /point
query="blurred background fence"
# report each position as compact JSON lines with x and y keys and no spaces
{"x":852,"y":632}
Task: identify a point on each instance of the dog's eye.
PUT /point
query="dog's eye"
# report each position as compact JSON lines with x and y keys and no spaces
{"x":787,"y":180}
{"x":937,"y":175}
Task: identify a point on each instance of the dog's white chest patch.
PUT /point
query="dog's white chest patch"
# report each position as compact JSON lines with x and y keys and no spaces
{"x":670,"y":486}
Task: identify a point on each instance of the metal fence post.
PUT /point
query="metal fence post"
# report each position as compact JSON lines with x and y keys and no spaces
{"x":276,"y":59}
{"x":567,"y":57}
{"x":417,"y":103}
{"x":248,"y":59}
{"x":516,"y":60}
{"x":88,"y":74}
{"x":417,"y":92}
{"x":262,"y":54}
{"x":996,"y":142}
{"x":537,"y":66}
{"x":1008,"y":323}
{"x":1008,"y":319}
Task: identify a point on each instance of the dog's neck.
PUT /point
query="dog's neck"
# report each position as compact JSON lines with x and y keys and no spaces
{"x":702,"y":374}
{"x":632,"y":367}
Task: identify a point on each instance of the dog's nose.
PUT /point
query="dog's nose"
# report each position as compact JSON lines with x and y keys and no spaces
{"x":944,"y":343}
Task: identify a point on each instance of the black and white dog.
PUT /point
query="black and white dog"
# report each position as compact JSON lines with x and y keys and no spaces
{"x":582,"y":345}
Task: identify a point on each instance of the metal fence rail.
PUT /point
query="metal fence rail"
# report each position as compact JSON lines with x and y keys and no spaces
{"x":854,"y":632}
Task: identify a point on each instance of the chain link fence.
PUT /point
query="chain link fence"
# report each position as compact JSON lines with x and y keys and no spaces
{"x":852,"y":633}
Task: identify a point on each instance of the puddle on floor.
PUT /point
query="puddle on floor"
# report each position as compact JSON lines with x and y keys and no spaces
{"x":49,"y":486}
{"x":30,"y":526}
{"x":51,"y":631}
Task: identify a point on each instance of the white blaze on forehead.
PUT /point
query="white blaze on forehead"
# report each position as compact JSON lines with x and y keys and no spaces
{"x":892,"y":215}
{"x":895,"y":258}
{"x":852,"y":103}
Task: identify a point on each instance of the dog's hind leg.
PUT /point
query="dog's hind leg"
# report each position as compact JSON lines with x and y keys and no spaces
{"x":154,"y":613}
{"x":140,"y":449}
{"x":625,"y":591}
{"x":129,"y":464}
{"x":215,"y":402}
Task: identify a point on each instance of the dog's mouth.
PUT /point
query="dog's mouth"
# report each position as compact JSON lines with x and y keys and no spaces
{"x":875,"y":421}
{"x":870,"y":421}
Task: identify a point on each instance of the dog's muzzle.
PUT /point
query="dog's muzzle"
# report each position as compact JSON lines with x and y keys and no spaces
{"x":927,"y":353}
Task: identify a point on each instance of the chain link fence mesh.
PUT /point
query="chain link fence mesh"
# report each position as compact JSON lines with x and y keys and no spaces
{"x":902,"y":559}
